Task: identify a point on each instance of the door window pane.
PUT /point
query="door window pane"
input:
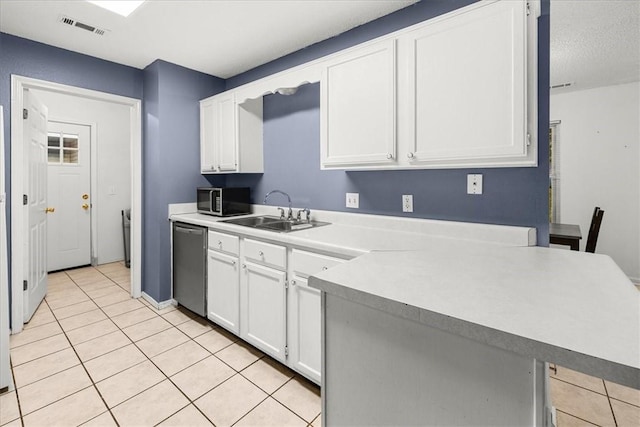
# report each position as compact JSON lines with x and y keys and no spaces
{"x":54,"y":155}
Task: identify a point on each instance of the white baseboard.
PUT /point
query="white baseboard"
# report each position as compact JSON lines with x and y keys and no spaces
{"x":158,"y":305}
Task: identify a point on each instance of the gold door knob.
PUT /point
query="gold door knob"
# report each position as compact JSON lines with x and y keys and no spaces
{"x":49,"y":210}
{"x":85,"y":196}
{"x":85,"y":206}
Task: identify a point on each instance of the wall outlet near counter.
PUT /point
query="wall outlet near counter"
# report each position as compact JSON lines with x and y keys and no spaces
{"x":353,"y":200}
{"x":474,"y":184}
{"x":407,"y":203}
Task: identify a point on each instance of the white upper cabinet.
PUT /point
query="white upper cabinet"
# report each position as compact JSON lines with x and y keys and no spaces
{"x":466,"y":88}
{"x":456,"y":91}
{"x":230,"y":134}
{"x":208,"y":157}
{"x":358,"y":99}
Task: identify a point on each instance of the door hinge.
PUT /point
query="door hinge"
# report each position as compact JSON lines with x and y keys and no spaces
{"x":528,"y":9}
{"x":25,"y":113}
{"x":528,"y":139}
{"x":286,"y":350}
{"x":25,"y":199}
{"x":25,"y":285}
{"x":286,"y":284}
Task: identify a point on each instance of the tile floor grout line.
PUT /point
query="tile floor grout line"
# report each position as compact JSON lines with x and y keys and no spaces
{"x":44,"y":301}
{"x":93,"y":384}
{"x":13,"y":377}
{"x":154,"y":364}
{"x":577,"y":417}
{"x":579,"y":386}
{"x":613,"y":414}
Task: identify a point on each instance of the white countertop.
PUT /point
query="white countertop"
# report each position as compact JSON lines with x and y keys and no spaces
{"x":351,"y":235}
{"x":572,"y":308}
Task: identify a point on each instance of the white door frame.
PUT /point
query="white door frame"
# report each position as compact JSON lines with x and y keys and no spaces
{"x":18,"y":85}
{"x":93,"y":178}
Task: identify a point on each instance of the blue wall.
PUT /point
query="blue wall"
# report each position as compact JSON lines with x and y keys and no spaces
{"x":171,"y":160}
{"x":513,"y":196}
{"x":40,"y":61}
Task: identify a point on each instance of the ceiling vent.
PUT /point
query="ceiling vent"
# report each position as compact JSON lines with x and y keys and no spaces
{"x":72,"y":22}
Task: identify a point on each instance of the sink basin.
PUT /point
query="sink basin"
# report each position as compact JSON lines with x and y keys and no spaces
{"x":274,"y":223}
{"x":253,"y":221}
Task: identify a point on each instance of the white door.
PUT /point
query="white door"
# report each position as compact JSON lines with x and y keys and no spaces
{"x":223,"y":291}
{"x":69,"y":197}
{"x":35,"y":168}
{"x":262,"y":307}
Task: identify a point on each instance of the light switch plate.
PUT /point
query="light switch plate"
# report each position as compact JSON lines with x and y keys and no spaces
{"x":474,"y":184}
{"x":353,"y":200}
{"x":407,"y":203}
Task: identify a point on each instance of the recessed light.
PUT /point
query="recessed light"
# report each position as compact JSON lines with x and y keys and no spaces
{"x":121,"y":7}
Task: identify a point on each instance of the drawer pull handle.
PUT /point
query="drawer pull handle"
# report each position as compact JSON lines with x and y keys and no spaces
{"x":219,"y":243}
{"x":324,"y":268}
{"x":244,"y":266}
{"x":233,"y":263}
{"x":293,"y":283}
{"x":261,"y":253}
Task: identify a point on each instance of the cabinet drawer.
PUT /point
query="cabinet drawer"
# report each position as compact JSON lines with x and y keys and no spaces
{"x":225,"y":243}
{"x":265,"y":253}
{"x":306,"y":264}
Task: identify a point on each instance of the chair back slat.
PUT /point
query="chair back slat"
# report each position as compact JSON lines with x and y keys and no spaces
{"x":594,"y":230}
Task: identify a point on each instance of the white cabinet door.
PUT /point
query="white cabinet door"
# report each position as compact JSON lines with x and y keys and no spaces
{"x":223,"y":291}
{"x":358,"y":99}
{"x":466,"y":87}
{"x":208,"y":158}
{"x":304,"y":316}
{"x":263,"y":309}
{"x":304,"y":328}
{"x":225,"y":131}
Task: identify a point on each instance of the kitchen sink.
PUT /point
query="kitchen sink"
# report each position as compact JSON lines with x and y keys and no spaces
{"x":274,"y":223}
{"x":253,"y":221}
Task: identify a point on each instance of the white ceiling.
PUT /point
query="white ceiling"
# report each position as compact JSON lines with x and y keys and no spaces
{"x":220,"y":37}
{"x":594,"y":43}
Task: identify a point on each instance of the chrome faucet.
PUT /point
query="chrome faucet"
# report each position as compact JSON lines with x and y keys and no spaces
{"x":290,"y":213}
{"x":305,"y":210}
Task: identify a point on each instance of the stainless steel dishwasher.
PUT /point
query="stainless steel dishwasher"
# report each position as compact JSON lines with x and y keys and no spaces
{"x":190,"y":267}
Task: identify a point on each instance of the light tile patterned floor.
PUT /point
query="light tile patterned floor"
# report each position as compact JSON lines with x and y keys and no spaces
{"x":582,"y":400}
{"x":91,"y":355}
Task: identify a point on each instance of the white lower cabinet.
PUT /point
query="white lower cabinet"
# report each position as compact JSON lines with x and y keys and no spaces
{"x":259,"y":291}
{"x":223,"y":291}
{"x":223,"y":280}
{"x":304,"y":333}
{"x":263,"y":298}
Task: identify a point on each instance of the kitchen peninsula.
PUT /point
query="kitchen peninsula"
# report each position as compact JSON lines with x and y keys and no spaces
{"x":459,"y":336}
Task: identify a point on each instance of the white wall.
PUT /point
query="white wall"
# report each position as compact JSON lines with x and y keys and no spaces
{"x":599,"y":148}
{"x":113,"y":127}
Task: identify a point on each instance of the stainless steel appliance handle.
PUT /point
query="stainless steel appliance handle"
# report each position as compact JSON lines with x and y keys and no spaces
{"x":187,"y":230}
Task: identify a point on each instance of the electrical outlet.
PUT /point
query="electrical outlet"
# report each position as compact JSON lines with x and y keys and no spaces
{"x":474,"y":184}
{"x":353,"y":200}
{"x":407,"y":203}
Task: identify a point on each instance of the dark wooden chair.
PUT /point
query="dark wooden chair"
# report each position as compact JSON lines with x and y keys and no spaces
{"x":594,"y":230}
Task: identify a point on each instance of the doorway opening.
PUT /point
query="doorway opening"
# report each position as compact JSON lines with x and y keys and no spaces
{"x":19,"y":242}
